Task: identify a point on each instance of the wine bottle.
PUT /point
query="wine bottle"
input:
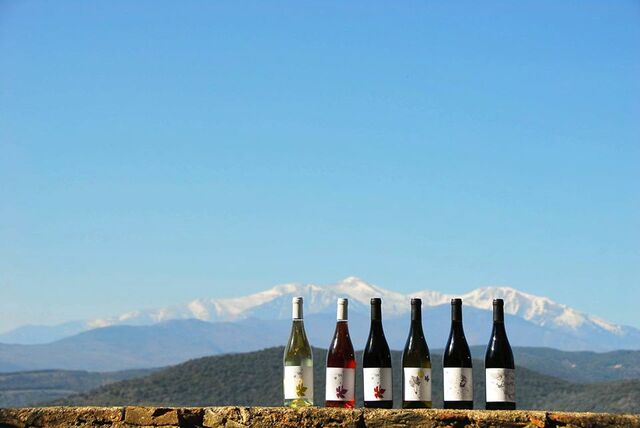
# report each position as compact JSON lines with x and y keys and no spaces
{"x":376,"y":363}
{"x":416,"y":364}
{"x":458,"y":374}
{"x":298,"y":363}
{"x":341,"y":364}
{"x":499,"y":367}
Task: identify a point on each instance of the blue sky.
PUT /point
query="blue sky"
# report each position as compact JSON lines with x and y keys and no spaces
{"x":153,"y":152}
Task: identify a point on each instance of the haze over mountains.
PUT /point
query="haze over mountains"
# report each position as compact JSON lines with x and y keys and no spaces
{"x":214,"y":326}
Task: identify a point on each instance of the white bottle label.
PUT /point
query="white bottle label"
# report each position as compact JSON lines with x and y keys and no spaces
{"x":378,"y":383}
{"x":501,"y":385}
{"x":458,"y":384}
{"x":298,"y":382}
{"x":417,"y":384}
{"x":341,"y":384}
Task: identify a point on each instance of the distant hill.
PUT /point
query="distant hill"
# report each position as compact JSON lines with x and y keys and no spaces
{"x":582,"y":366}
{"x":129,"y":347}
{"x":133,"y":347}
{"x":254,"y":379}
{"x":38,"y":334}
{"x":26,"y":388}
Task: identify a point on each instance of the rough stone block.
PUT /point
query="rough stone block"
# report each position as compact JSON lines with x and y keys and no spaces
{"x":310,"y":417}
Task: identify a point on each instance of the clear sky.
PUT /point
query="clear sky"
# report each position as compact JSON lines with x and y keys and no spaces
{"x":152,"y":152}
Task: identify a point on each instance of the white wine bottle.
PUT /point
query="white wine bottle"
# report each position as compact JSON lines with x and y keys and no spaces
{"x":416,"y":364}
{"x":298,"y":363}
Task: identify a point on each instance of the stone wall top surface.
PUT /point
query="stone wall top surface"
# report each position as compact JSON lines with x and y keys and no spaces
{"x":237,"y":417}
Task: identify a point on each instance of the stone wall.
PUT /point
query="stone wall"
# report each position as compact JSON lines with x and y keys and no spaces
{"x":237,"y":417}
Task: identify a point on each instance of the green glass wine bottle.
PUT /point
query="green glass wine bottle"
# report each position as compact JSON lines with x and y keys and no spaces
{"x":298,"y":363}
{"x":416,"y":364}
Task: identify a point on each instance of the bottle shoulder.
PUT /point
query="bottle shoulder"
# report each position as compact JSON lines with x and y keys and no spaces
{"x":499,"y":356}
{"x":376,"y":354}
{"x":340,"y":352}
{"x":416,"y":345}
{"x":456,"y":342}
{"x":298,"y":345}
{"x":416,"y":358}
{"x":457,"y":352}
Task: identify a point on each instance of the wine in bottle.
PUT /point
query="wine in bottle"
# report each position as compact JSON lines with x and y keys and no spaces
{"x":376,"y":363}
{"x":499,"y":367}
{"x":458,"y":374}
{"x":341,"y":364}
{"x":298,"y":363}
{"x":416,"y":364}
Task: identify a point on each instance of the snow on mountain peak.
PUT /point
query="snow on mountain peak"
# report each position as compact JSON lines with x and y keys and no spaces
{"x":275,"y":302}
{"x":199,"y":309}
{"x":537,"y":309}
{"x":359,"y":289}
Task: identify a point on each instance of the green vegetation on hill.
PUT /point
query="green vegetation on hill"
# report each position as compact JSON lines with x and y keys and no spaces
{"x":25,"y":388}
{"x":255,"y":379}
{"x":579,"y":366}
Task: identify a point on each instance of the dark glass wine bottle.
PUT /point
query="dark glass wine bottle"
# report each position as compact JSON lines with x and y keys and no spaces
{"x":416,"y":364}
{"x":298,"y":362}
{"x":376,"y":363}
{"x":458,"y":374}
{"x":341,"y":364}
{"x":499,"y":367}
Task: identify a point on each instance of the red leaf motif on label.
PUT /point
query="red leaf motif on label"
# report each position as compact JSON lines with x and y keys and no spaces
{"x":378,"y":392}
{"x":340,"y":391}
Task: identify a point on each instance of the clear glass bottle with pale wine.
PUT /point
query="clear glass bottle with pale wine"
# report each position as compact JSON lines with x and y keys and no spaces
{"x":298,"y":363}
{"x":456,"y":362}
{"x":341,"y":364}
{"x":500,"y":370}
{"x":376,"y":363}
{"x":416,"y":364}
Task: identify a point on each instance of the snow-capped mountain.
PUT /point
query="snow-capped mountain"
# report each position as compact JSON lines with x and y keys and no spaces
{"x":541,"y":311}
{"x":275,"y":304}
{"x":534,"y":320}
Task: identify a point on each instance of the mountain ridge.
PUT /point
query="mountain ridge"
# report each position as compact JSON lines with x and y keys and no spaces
{"x":558,"y":320}
{"x":172,"y":342}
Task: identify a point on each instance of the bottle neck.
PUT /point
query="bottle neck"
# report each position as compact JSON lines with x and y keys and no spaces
{"x":342,"y":313}
{"x":456,"y":313}
{"x":376,"y":332}
{"x":456,"y":327}
{"x":456,"y":318}
{"x":297,"y":332}
{"x":376,"y":325}
{"x":416,"y":321}
{"x":342,"y":329}
{"x":296,"y":311}
{"x":416,"y":313}
{"x":376,"y":317}
{"x":498,"y":330}
{"x":415,"y":328}
{"x":376,"y":312}
{"x":498,"y":314}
